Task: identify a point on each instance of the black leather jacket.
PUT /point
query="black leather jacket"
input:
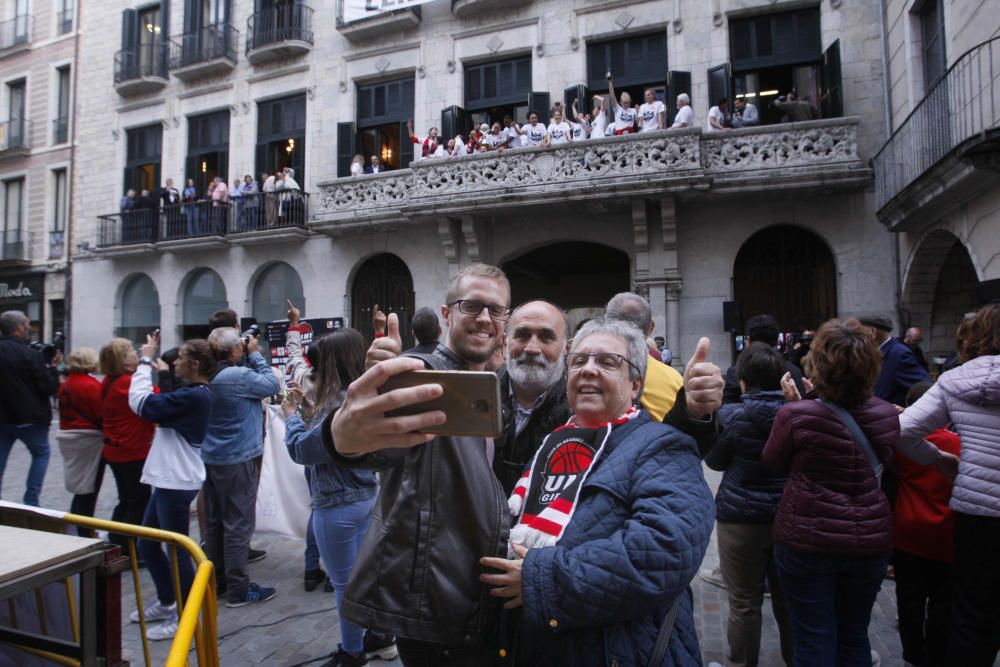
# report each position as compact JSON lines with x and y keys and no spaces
{"x":27,"y":384}
{"x":439,"y":510}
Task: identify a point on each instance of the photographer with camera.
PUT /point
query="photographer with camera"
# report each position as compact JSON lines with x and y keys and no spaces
{"x":25,"y":411}
{"x":231,"y":446}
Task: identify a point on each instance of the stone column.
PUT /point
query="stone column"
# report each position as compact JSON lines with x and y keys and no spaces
{"x":673,"y":294}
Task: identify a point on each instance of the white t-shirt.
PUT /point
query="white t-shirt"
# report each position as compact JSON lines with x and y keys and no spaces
{"x":559,"y":133}
{"x":624,"y":118}
{"x":579,"y":131}
{"x":491,"y":140}
{"x":684,"y":115}
{"x":650,"y":114}
{"x":534,"y":133}
{"x":717,"y":114}
{"x":510,"y":133}
{"x":598,"y":125}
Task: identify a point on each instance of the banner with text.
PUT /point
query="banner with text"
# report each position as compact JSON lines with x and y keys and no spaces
{"x":355,"y":10}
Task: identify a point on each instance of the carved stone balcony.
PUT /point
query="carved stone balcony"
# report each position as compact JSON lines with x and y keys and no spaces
{"x":469,"y":8}
{"x":810,"y":155}
{"x":364,"y":28}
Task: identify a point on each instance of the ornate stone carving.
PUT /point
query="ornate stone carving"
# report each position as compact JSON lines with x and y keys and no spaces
{"x":365,"y":195}
{"x":674,"y":288}
{"x":785,"y":146}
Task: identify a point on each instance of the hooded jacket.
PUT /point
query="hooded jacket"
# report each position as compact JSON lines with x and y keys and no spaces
{"x":969,"y":398}
{"x":749,"y":491}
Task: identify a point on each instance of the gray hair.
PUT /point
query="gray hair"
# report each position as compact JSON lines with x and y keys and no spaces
{"x":10,"y":320}
{"x":632,"y":308}
{"x":684,"y":97}
{"x":634,"y":341}
{"x":223,"y":340}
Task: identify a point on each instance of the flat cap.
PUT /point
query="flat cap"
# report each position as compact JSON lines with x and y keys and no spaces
{"x":878,"y":321}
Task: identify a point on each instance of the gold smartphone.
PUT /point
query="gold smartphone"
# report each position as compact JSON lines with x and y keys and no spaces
{"x":471,"y":400}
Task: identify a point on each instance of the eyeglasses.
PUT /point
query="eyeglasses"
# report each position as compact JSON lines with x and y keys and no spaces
{"x":608,"y":362}
{"x":475,"y":306}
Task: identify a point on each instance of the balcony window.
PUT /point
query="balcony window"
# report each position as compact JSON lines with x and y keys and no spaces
{"x":933,"y":41}
{"x":279,"y":29}
{"x":60,"y":124}
{"x":13,"y":219}
{"x":64,"y":16}
{"x":496,"y":90}
{"x":281,"y":136}
{"x":142,"y":161}
{"x":59,"y":203}
{"x":636,"y":63}
{"x":208,"y":34}
{"x":144,"y":51}
{"x":383,"y":109}
{"x":208,"y":149}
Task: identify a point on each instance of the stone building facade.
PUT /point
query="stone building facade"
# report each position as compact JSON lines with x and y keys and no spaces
{"x":938,"y":176}
{"x":37,"y":71}
{"x":778,"y":218}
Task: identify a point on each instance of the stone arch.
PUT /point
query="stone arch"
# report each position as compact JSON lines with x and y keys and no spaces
{"x":383,"y":279}
{"x":201,"y":293}
{"x":270,"y":285}
{"x":138,"y":304}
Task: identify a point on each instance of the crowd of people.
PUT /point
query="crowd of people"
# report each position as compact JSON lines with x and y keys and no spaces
{"x":572,"y":537}
{"x":609,"y":116}
{"x":275,"y":200}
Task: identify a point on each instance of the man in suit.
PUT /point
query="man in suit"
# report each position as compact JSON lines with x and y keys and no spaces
{"x":900,"y":369}
{"x":376,"y":167}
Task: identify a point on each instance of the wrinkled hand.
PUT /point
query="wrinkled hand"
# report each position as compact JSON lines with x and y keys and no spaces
{"x":508,"y":584}
{"x":293,"y":313}
{"x":789,"y":389}
{"x":703,"y":382}
{"x":361,"y":426}
{"x":378,"y":320}
{"x":387,"y":347}
{"x":947,"y":465}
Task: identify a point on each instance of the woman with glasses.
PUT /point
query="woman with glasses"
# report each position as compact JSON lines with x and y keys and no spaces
{"x":613,"y":517}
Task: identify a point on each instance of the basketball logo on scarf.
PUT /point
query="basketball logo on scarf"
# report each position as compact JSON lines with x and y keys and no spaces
{"x":565,"y":466}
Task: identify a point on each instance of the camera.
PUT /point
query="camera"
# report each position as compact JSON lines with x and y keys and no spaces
{"x":252,"y":331}
{"x":49,"y":350}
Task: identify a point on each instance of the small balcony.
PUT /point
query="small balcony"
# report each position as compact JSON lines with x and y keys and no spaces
{"x":209,"y":51}
{"x":15,"y":34}
{"x":819,"y":155}
{"x":259,"y":218}
{"x":363,"y":28}
{"x":465,"y":9}
{"x":14,"y":249}
{"x":143,"y":69}
{"x":60,"y":130}
{"x":947,"y":151}
{"x":15,"y":138}
{"x":277,"y":33}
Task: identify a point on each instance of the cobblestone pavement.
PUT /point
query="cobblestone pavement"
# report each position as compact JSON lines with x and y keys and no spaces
{"x":297,"y":626}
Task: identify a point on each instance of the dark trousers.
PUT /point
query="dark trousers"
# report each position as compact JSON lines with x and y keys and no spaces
{"x":168,"y":509}
{"x":923,"y":599}
{"x":830,"y":599}
{"x":415,"y":653}
{"x":230,"y":499}
{"x":85,"y":504}
{"x":975,"y":634}
{"x":133,"y":496}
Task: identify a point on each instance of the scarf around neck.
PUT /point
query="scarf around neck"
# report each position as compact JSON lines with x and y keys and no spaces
{"x":545,"y":497}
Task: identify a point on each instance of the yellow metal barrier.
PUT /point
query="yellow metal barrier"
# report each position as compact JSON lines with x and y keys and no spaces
{"x":201,"y":600}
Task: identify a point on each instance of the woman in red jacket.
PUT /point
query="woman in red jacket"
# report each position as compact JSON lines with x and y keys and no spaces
{"x":833,"y":529}
{"x":127,"y":436}
{"x":80,"y":436}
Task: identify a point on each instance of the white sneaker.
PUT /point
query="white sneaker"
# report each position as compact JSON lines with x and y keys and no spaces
{"x":165,"y":630}
{"x":155,"y":612}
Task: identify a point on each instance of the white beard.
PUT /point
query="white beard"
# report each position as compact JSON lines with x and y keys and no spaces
{"x":538,"y":375}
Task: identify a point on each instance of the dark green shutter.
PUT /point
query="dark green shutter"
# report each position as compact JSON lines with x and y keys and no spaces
{"x":347,"y":138}
{"x":405,"y":147}
{"x":539,"y":103}
{"x":130,"y":30}
{"x":831,"y":90}
{"x":453,"y":122}
{"x":677,"y":83}
{"x":720,"y":84}
{"x":581,"y":93}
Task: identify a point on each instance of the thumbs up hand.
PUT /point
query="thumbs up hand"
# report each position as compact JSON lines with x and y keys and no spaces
{"x":389,"y":346}
{"x":703,"y":382}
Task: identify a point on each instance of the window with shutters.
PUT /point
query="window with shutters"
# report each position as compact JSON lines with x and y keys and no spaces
{"x":932,"y":42}
{"x":636,"y":62}
{"x":142,"y":160}
{"x":383,"y":109}
{"x":496,"y":90}
{"x":208,"y":148}
{"x":281,"y":136}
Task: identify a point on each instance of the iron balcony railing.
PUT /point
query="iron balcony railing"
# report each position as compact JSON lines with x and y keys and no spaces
{"x":145,"y":60}
{"x":13,"y":248}
{"x":15,"y":135}
{"x":204,"y":218}
{"x":16,"y":31}
{"x":279,"y":24}
{"x":205,"y":44}
{"x":963,"y":104}
{"x":60,"y":130}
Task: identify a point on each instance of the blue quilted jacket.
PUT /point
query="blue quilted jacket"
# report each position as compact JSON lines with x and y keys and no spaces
{"x":635,"y":541}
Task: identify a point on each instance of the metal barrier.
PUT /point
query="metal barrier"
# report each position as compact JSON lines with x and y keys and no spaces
{"x":197,"y":616}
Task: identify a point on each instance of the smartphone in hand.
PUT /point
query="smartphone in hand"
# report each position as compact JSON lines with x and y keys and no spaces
{"x":471,"y":401}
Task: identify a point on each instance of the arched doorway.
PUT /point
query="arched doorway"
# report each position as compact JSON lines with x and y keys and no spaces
{"x":140,"y":309}
{"x":581,"y":277}
{"x":273,"y":286}
{"x":940,"y":289}
{"x":385,"y":280}
{"x":787,"y":272}
{"x":204,"y":293}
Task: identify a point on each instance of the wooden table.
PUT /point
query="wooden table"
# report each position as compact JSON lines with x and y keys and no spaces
{"x":30,"y":559}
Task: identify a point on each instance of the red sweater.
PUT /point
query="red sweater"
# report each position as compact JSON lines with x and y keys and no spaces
{"x":127,"y":436}
{"x":924,"y":524}
{"x":80,"y":403}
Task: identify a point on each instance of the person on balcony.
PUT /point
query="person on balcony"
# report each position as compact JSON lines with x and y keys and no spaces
{"x":190,"y":198}
{"x":622,"y":110}
{"x":220,"y":201}
{"x":236,"y":195}
{"x":716,"y":121}
{"x":652,"y":113}
{"x":796,"y":110}
{"x":533,"y":132}
{"x":169,"y":199}
{"x":358,"y":165}
{"x":289,"y":201}
{"x":511,"y":136}
{"x":376,"y":166}
{"x":746,"y":114}
{"x":428,"y":144}
{"x":580,"y":122}
{"x":558,"y":131}
{"x":127,"y":202}
{"x":492,"y":141}
{"x":145,"y":211}
{"x":685,"y":115}
{"x":251,"y":202}
{"x":270,"y":208}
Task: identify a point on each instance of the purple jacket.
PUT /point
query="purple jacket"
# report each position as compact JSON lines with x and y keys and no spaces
{"x":832,"y":503}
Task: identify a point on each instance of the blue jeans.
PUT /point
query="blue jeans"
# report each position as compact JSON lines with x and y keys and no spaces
{"x":168,"y":509}
{"x":830,"y":599}
{"x":339,"y":531}
{"x":36,"y":438}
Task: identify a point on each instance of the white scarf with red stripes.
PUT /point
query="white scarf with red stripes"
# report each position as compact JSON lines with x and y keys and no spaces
{"x":546,"y":495}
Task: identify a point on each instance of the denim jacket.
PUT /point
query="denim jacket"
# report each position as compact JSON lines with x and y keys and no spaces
{"x":235,"y":429}
{"x":330,"y":485}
